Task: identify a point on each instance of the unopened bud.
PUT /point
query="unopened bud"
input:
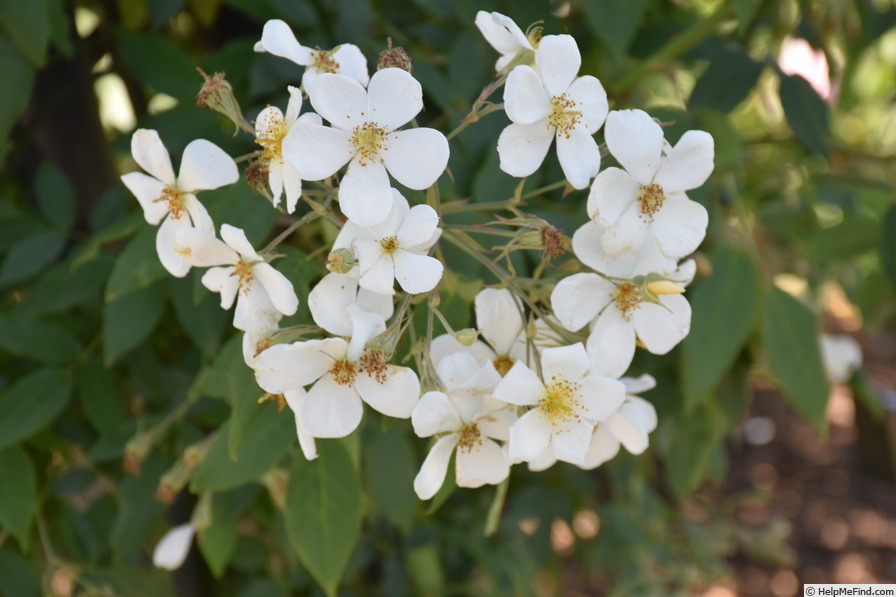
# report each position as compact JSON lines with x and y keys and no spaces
{"x":257,"y":178}
{"x":195,"y":453}
{"x":202,"y":513}
{"x":466,"y":336}
{"x":217,"y":94}
{"x":172,"y":482}
{"x":340,"y":261}
{"x":393,"y":58}
{"x":136,"y":450}
{"x":660,"y":287}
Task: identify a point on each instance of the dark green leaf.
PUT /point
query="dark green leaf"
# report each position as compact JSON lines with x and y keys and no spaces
{"x":126,"y":226}
{"x":389,"y":470}
{"x":18,"y":75}
{"x":159,"y":63}
{"x":244,"y":394}
{"x":794,"y":357}
{"x":103,"y":404}
{"x":688,"y":457}
{"x":17,"y":577}
{"x":204,"y":321}
{"x":888,"y":245}
{"x":137,"y":266}
{"x":724,"y":308}
{"x":854,"y":236}
{"x":160,"y":11}
{"x":217,"y":544}
{"x":55,"y":197}
{"x":323,"y":513}
{"x":30,"y":255}
{"x":726,"y":81}
{"x":37,"y":340}
{"x":32,"y":403}
{"x":27,"y":24}
{"x":18,"y":500}
{"x":212,"y":381}
{"x":266,"y":441}
{"x":128,"y":320}
{"x":61,"y":286}
{"x":615,"y":22}
{"x":746,"y":11}
{"x":138,"y":510}
{"x":807,"y":114}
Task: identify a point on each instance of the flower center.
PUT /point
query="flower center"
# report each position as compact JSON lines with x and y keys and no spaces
{"x":503,"y":364}
{"x":561,"y":401}
{"x":389,"y":244}
{"x":470,"y":437}
{"x":324,"y":61}
{"x":271,"y":140}
{"x":563,"y":115}
{"x":651,"y":199}
{"x":628,"y":298}
{"x":171,"y":195}
{"x":343,"y":371}
{"x":373,"y":363}
{"x":243,"y":271}
{"x":368,"y":141}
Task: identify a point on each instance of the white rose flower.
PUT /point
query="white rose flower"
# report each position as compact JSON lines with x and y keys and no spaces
{"x":345,"y":59}
{"x":552,"y":102}
{"x":364,"y":133}
{"x":204,"y":166}
{"x":506,"y":37}
{"x":649,"y":195}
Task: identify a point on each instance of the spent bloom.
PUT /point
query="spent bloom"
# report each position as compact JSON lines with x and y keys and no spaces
{"x":364,"y":133}
{"x":164,"y":196}
{"x":270,"y":129}
{"x":565,"y":406}
{"x":262,"y":293}
{"x":548,"y":102}
{"x":649,"y":194}
{"x":470,"y":419}
{"x":345,"y":59}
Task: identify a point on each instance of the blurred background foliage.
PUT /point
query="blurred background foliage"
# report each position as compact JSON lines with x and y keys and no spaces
{"x":110,"y":369}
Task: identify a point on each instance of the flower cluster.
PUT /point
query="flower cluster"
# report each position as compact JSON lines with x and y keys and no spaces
{"x":545,"y":382}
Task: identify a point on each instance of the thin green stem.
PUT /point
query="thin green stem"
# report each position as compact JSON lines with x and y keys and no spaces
{"x":476,"y":116}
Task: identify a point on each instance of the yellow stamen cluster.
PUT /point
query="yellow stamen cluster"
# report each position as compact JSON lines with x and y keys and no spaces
{"x":503,"y":364}
{"x":324,"y":61}
{"x":628,"y":298}
{"x":469,"y":437}
{"x":563,"y":115}
{"x":651,"y":200}
{"x":172,"y":196}
{"x":271,"y":139}
{"x":243,"y":271}
{"x":343,"y":372}
{"x":389,"y":244}
{"x":560,"y":403}
{"x":373,"y":362}
{"x":368,"y":140}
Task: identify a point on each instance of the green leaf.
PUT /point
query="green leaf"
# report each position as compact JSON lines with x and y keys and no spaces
{"x":55,"y":196}
{"x":212,"y":381}
{"x":728,"y":79}
{"x":30,"y":255}
{"x":389,"y":470}
{"x":853,"y":236}
{"x":61,"y":287}
{"x":159,"y":63}
{"x":137,"y":266}
{"x":18,"y":500}
{"x":17,"y":577}
{"x":126,"y":226}
{"x":244,"y":394}
{"x":808,"y":114}
{"x":18,"y":76}
{"x":794,"y":357}
{"x":267,"y":439}
{"x":615,"y":22}
{"x":323,"y":513}
{"x":27,"y":24}
{"x":203,"y":320}
{"x":32,"y":403}
{"x":128,"y":320}
{"x":724,"y":309}
{"x":888,"y":245}
{"x":160,"y":11}
{"x":746,"y":12}
{"x":37,"y":340}
{"x":217,"y":544}
{"x":102,"y":402}
{"x":138,"y":510}
{"x":688,"y":456}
